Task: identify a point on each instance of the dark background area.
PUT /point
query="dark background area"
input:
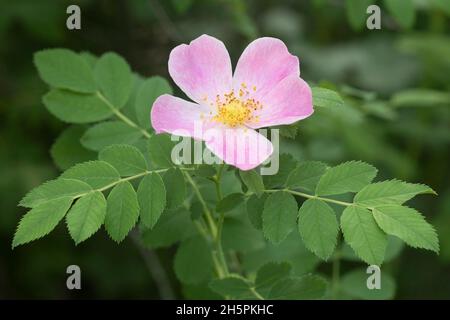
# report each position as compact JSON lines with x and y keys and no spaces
{"x":407,"y":139}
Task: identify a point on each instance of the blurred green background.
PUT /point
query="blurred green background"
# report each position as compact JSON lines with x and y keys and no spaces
{"x":395,"y":82}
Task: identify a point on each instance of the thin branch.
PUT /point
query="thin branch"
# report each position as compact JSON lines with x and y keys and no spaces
{"x":206,"y":210}
{"x":256,"y":294}
{"x":309,"y":196}
{"x":155,"y":269}
{"x":136,"y":176}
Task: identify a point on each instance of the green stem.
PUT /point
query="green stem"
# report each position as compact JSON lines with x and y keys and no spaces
{"x":136,"y":176}
{"x":139,"y":175}
{"x":206,"y":210}
{"x":155,"y":268}
{"x":121,"y":116}
{"x":216,"y":232}
{"x":217,"y":182}
{"x":309,"y":196}
{"x":203,"y":231}
{"x":219,"y":241}
{"x":218,"y":266}
{"x":257,"y":295}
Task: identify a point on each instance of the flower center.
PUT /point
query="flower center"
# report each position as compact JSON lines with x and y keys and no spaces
{"x":233,"y":114}
{"x":233,"y":111}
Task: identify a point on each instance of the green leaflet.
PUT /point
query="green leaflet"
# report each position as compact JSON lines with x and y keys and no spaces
{"x":230,"y":202}
{"x":89,"y":57}
{"x":62,"y":68}
{"x":291,"y":250}
{"x":129,"y":109}
{"x":233,"y":286}
{"x":205,"y":170}
{"x":107,"y":133}
{"x":122,"y":211}
{"x":306,"y":175}
{"x":97,"y":174}
{"x":160,"y":150}
{"x":230,"y":184}
{"x":318,"y":227}
{"x":326,"y":98}
{"x":114,"y":78}
{"x":126,"y":159}
{"x":253,"y":181}
{"x":287,"y":165}
{"x":54,"y":189}
{"x":40,"y":220}
{"x":255,"y":208}
{"x":394,"y":248}
{"x":67,"y":149}
{"x":389,"y":192}
{"x":148,"y":91}
{"x":199,"y":292}
{"x":152,"y":199}
{"x":74,"y":107}
{"x":269,"y":274}
{"x":363,"y":235}
{"x":279,"y":216}
{"x":304,"y":288}
{"x":193,"y":261}
{"x":350,"y":176}
{"x":240,"y":236}
{"x":408,"y":225}
{"x":172,"y":226}
{"x":86,"y":216}
{"x":288,"y":131}
{"x":175,"y":188}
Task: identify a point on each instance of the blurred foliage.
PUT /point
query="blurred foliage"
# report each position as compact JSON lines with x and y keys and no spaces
{"x":395,"y":84}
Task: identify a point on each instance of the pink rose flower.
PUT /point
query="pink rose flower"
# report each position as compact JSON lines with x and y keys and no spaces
{"x":265,"y":90}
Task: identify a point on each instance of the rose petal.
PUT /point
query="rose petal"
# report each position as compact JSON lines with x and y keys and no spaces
{"x":177,"y":116}
{"x":241,"y":147}
{"x":201,"y":69}
{"x":264,"y":63}
{"x":288,"y":102}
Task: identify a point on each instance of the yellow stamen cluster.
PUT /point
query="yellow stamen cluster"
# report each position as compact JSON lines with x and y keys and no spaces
{"x":235,"y":111}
